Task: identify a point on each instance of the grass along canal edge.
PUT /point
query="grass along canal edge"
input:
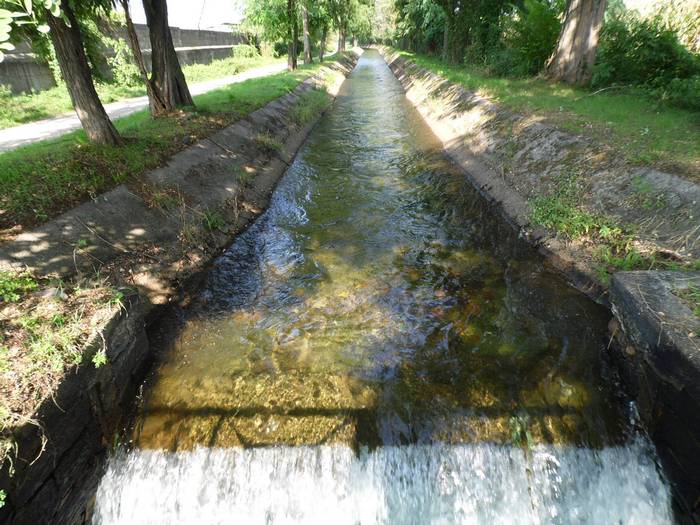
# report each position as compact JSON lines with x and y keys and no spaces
{"x":42,"y":180}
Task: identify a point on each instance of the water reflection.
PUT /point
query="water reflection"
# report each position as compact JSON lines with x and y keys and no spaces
{"x":378,"y":305}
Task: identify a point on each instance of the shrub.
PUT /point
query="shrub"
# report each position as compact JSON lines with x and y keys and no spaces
{"x":681,"y":92}
{"x":532,"y":34}
{"x":245,"y":51}
{"x":122,"y":64}
{"x":641,"y":52}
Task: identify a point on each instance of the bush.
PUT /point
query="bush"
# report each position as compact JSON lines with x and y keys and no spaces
{"x":641,"y":52}
{"x":529,"y":37}
{"x":681,"y":92}
{"x":245,"y":51}
{"x":124,"y":70}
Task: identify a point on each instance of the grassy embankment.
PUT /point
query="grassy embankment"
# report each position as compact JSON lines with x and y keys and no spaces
{"x":634,"y":125}
{"x":646,"y":131}
{"x":20,"y":109}
{"x":40,"y":180}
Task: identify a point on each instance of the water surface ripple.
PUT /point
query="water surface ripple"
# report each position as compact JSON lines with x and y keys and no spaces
{"x":379,"y":348}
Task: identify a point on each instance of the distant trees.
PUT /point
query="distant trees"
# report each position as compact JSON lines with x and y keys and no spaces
{"x":277,"y":21}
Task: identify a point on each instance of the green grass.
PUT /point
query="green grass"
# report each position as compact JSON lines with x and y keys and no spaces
{"x":43,"y":179}
{"x":614,"y":246}
{"x":14,"y":285}
{"x":20,"y":109}
{"x":640,"y":127}
{"x":310,"y":105}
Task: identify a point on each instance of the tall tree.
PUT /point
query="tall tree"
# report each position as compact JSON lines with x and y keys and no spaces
{"x":155,"y":101}
{"x":322,"y":43}
{"x":573,"y":58}
{"x":292,"y":35}
{"x":67,"y":41}
{"x":167,"y":75}
{"x":307,"y":36}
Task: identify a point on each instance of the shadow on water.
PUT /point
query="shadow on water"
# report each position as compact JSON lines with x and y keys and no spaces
{"x":379,"y":304}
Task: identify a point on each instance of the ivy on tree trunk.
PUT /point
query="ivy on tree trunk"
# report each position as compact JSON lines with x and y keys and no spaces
{"x":167,"y":75}
{"x":574,"y":56}
{"x":70,"y":53}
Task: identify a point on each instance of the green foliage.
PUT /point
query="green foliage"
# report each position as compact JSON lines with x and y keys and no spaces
{"x":309,"y":105}
{"x":17,"y":13}
{"x":529,"y":37}
{"x":14,"y":285}
{"x":637,"y":51}
{"x":267,"y":142}
{"x":213,"y":221}
{"x":19,"y":109}
{"x":680,"y":92}
{"x":641,"y":128}
{"x":100,"y":358}
{"x":42,"y":179}
{"x":3,"y":496}
{"x":124,"y":70}
{"x":245,"y":51}
{"x":561,"y":211}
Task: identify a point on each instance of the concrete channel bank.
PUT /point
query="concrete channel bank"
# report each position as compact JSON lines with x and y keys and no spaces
{"x":655,"y":337}
{"x":58,"y":457}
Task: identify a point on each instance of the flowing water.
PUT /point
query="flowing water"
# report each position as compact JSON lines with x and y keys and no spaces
{"x":378,"y":348}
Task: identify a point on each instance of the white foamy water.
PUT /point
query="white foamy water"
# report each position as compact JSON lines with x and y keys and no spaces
{"x":416,"y":484}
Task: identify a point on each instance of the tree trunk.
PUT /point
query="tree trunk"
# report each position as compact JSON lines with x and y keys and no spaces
{"x":322,"y":45}
{"x":573,"y":59}
{"x":446,"y":40}
{"x":155,"y":102}
{"x":341,"y":39}
{"x":307,"y":38}
{"x":167,"y":75}
{"x":68,"y":43}
{"x":291,"y":35}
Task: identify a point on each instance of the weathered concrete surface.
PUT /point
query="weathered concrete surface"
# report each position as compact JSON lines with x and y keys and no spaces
{"x":61,"y":453}
{"x":514,"y":158}
{"x":658,"y":354}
